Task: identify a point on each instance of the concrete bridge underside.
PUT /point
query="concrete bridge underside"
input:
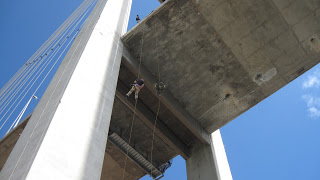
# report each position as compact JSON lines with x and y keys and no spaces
{"x":218,"y":59}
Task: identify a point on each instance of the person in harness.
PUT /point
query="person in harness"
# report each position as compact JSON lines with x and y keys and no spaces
{"x":136,"y":87}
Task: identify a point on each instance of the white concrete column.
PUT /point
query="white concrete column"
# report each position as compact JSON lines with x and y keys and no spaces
{"x":209,"y":162}
{"x":66,"y":136}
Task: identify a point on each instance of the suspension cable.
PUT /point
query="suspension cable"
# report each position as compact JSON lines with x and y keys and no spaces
{"x":36,"y":78}
{"x":45,"y":47}
{"x":43,"y":67}
{"x":42,"y":59}
{"x":16,"y":121}
{"x":35,"y":56}
{"x":78,"y":15}
{"x":35,"y":127}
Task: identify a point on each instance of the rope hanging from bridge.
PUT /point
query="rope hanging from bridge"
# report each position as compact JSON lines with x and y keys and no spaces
{"x":159,"y":89}
{"x":135,"y":106}
{"x":36,"y":70}
{"x":159,"y":103}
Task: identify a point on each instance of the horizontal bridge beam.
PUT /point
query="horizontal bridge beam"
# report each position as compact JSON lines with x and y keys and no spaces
{"x":166,"y":98}
{"x":148,"y":117}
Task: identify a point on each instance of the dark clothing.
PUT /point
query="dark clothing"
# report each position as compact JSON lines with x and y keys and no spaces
{"x":160,"y":87}
{"x":140,"y":82}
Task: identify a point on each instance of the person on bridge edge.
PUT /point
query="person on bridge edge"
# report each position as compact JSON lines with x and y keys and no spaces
{"x":137,"y":19}
{"x":137,"y":86}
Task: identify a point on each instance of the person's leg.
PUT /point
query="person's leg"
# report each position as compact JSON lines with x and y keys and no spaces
{"x":137,"y":92}
{"x":131,"y":91}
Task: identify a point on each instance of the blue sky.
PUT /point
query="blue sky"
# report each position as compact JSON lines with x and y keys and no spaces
{"x":277,"y":139}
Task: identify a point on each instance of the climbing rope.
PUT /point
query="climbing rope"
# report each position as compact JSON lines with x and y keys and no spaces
{"x":141,"y":51}
{"x":135,"y":106}
{"x":130,"y":135}
{"x":134,"y":111}
{"x":159,"y":103}
{"x":153,"y":132}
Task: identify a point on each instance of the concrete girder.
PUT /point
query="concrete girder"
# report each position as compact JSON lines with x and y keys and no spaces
{"x":148,"y":117}
{"x":167,"y":98}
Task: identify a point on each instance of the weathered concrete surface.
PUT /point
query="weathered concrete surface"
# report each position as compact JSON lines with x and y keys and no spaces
{"x":202,"y":164}
{"x":166,"y":98}
{"x":220,"y":58}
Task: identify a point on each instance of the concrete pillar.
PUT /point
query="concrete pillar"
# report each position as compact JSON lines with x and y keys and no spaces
{"x":209,"y":162}
{"x":66,"y":136}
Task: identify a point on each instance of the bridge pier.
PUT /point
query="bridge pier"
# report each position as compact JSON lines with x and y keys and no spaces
{"x":209,"y":161}
{"x":67,"y":133}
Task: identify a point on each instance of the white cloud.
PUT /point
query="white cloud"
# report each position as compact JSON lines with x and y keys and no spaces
{"x":314,"y":112}
{"x":313,"y":104}
{"x":312,"y":80}
{"x":311,"y":101}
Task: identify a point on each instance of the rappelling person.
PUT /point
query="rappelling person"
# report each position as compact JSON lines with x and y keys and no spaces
{"x":137,"y":19}
{"x":136,"y":87}
{"x":160,"y":87}
{"x":165,"y":166}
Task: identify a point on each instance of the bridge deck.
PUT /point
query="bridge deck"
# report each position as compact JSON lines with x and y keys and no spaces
{"x":220,"y":58}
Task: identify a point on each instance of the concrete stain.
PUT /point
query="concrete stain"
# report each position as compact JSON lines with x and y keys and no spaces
{"x":315,"y":44}
{"x":261,"y":78}
{"x":214,"y":68}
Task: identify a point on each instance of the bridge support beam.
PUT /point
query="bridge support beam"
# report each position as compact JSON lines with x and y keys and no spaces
{"x":209,"y":161}
{"x":67,"y":133}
